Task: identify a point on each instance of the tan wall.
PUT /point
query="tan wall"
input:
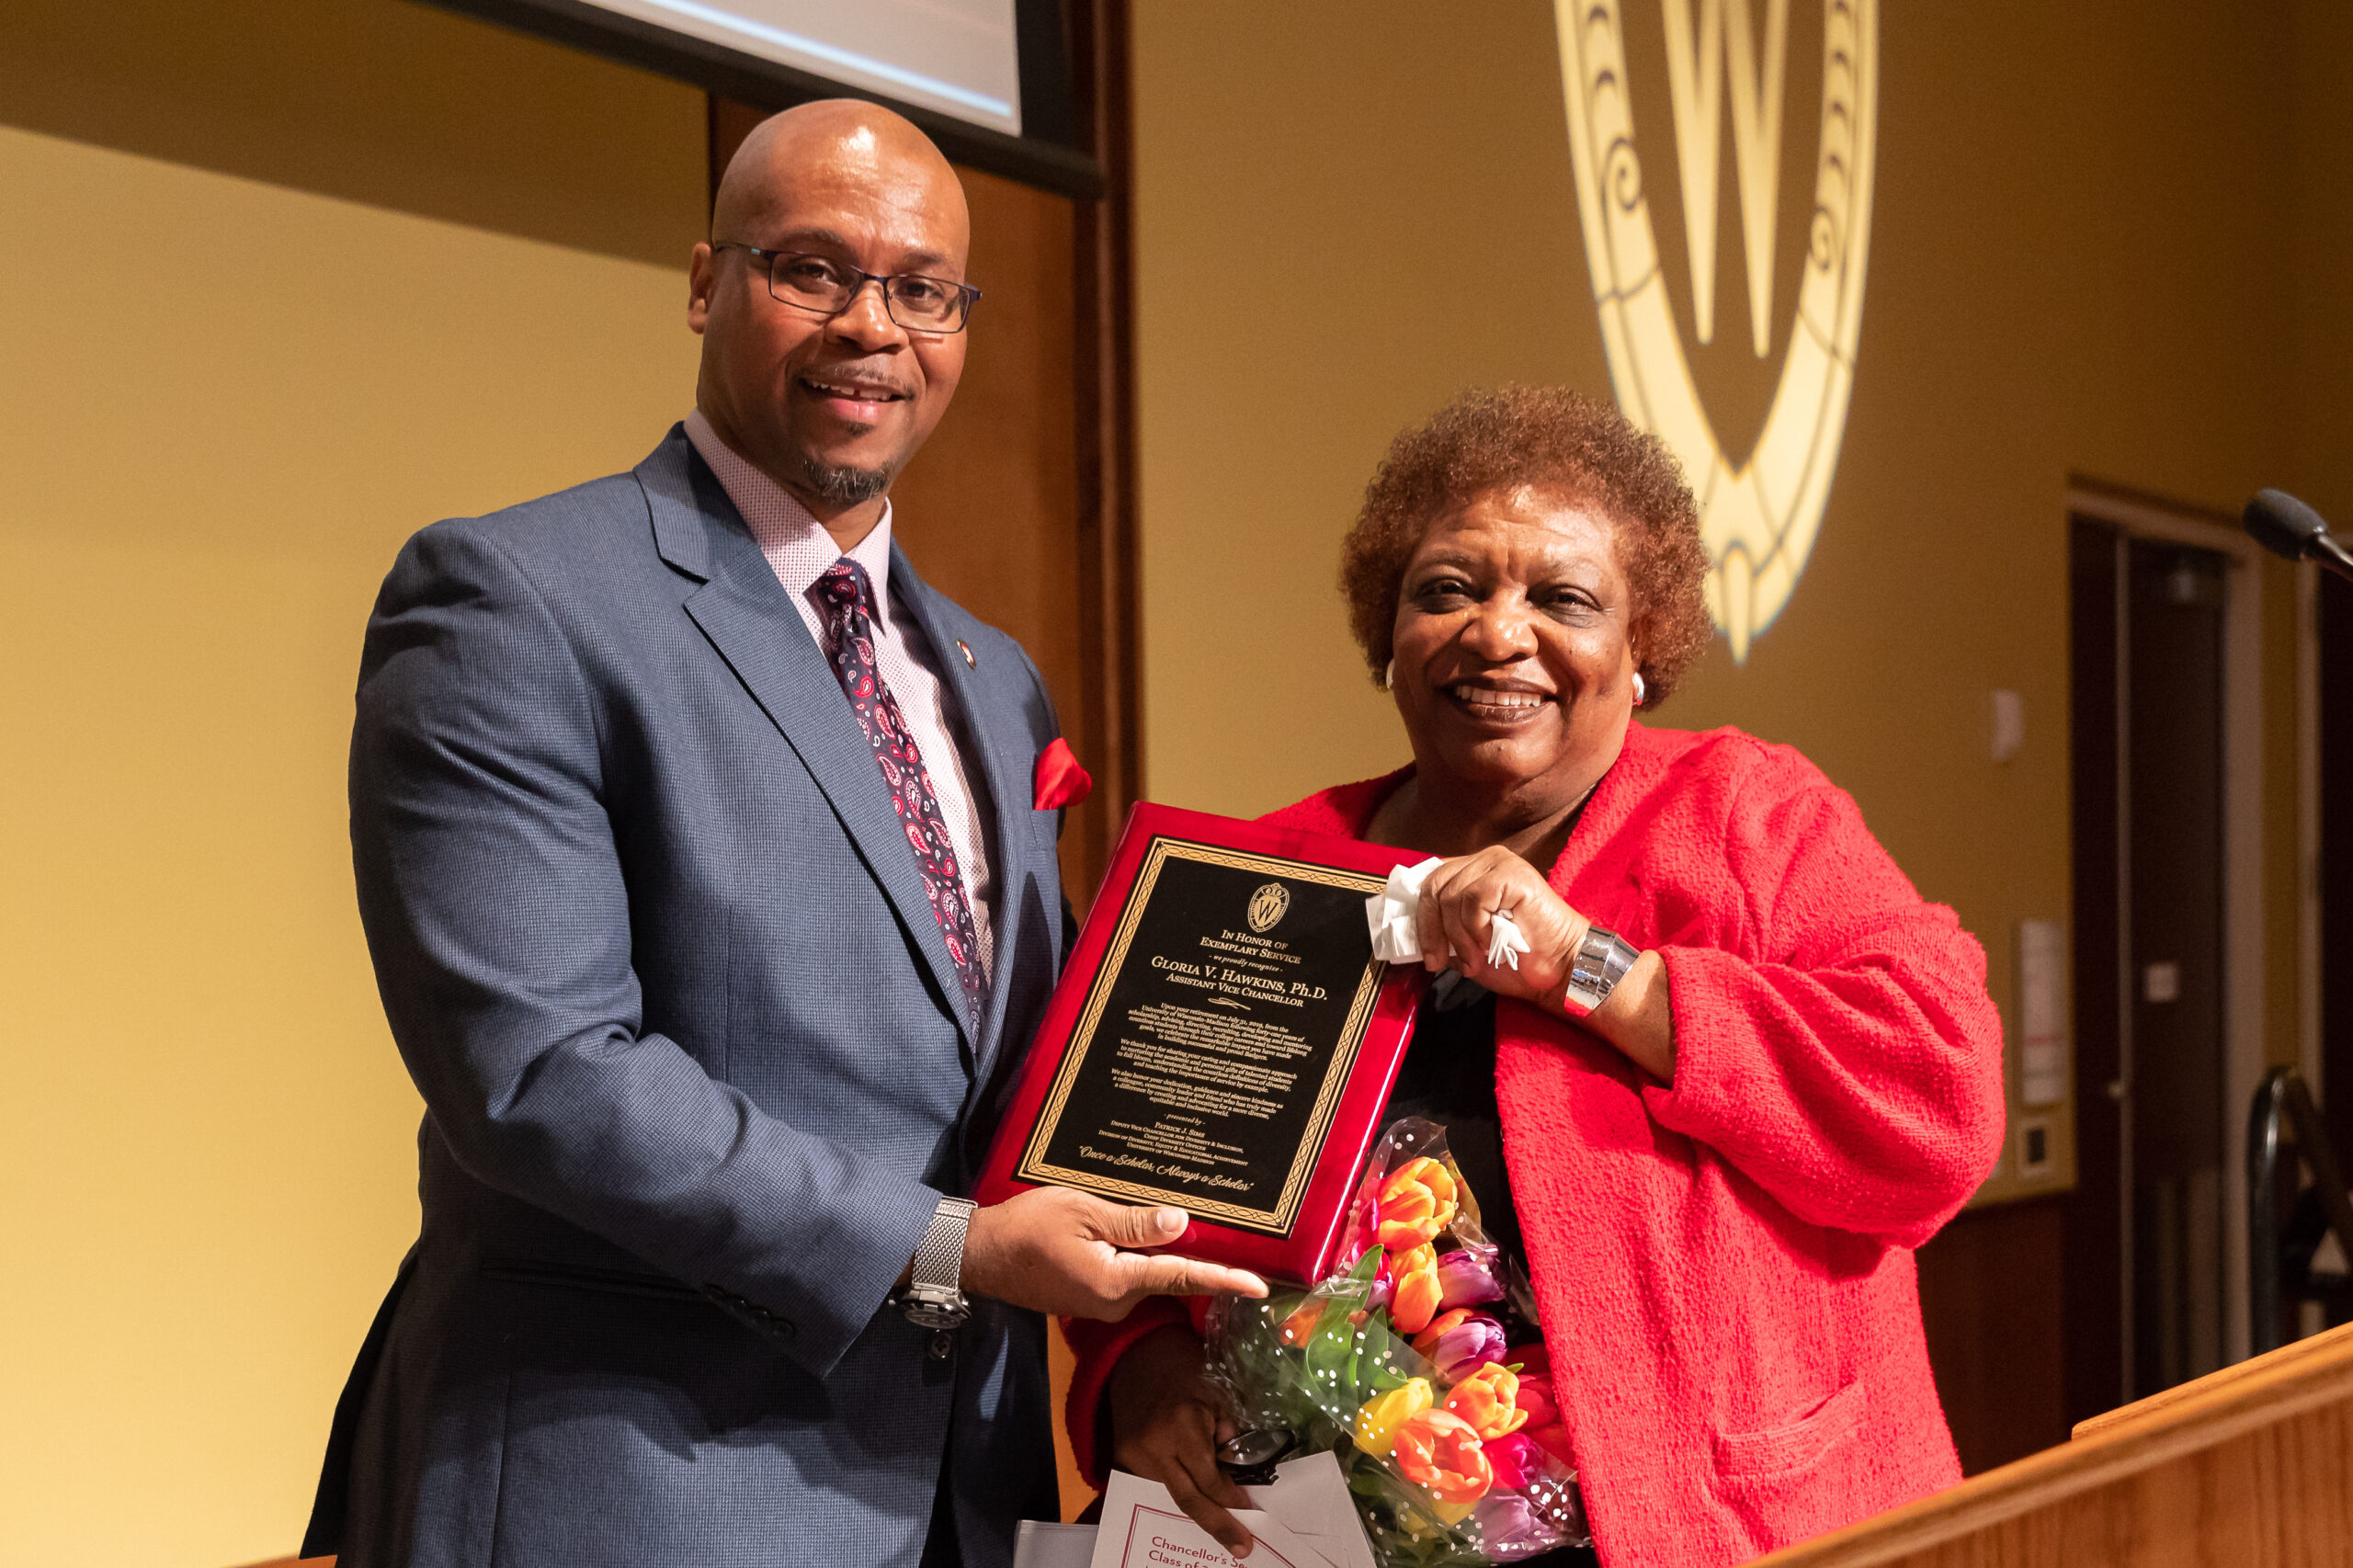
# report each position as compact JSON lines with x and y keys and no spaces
{"x":281,"y":279}
{"x":2077,"y":265}
{"x":226,"y":400}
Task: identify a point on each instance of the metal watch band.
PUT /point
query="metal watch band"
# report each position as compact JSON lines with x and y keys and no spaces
{"x":934,"y":1296}
{"x":1601,"y":961}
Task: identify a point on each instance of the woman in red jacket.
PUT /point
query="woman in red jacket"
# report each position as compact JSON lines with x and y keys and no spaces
{"x":1778,"y":1071}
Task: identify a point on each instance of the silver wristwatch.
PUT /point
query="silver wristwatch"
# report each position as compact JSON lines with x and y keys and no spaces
{"x":1601,"y":961}
{"x":933,"y":1297}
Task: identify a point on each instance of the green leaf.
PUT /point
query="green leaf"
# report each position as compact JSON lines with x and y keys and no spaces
{"x":1379,"y":1352}
{"x":1327,"y":1361}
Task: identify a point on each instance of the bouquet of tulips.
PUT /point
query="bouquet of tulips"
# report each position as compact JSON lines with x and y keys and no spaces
{"x":1418,"y":1360}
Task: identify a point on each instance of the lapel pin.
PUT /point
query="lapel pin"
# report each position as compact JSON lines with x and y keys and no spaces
{"x":965,"y":648}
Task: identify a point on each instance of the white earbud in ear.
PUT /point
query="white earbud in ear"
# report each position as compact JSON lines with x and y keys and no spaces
{"x":1641,"y":692}
{"x":1388,"y":677}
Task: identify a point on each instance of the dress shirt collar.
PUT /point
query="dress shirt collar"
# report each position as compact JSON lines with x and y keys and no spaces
{"x":796,"y":546}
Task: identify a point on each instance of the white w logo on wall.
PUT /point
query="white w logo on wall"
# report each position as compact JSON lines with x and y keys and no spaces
{"x":1760,"y":517}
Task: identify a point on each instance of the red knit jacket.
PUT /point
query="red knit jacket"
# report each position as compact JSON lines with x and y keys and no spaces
{"x":1724,"y":1264}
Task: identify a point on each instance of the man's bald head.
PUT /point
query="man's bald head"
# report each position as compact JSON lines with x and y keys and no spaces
{"x":845,"y":135}
{"x":830,"y":407}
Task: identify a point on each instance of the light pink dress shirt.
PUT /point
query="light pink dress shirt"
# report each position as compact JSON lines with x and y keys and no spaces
{"x":799,"y":550}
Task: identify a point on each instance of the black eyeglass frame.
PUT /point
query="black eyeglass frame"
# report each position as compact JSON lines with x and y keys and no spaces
{"x":770,"y":257}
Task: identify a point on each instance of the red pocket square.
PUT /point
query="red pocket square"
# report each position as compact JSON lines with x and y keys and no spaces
{"x":1060,"y":780}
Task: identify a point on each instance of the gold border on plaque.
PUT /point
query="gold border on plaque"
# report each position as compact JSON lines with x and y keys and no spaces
{"x":1272,"y":1222}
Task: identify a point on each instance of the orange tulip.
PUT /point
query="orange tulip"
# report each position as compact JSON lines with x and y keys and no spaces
{"x":1416,"y":1288}
{"x":1416,"y":1203}
{"x":1301,"y":1323}
{"x":1489,"y":1399}
{"x":1437,"y":1451}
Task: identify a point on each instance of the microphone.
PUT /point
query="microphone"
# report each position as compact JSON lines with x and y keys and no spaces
{"x":2285,"y":526}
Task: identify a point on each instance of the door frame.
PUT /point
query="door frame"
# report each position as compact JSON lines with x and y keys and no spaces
{"x":2245,"y":1055}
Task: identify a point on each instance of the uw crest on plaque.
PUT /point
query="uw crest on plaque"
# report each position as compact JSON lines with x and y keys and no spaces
{"x":1223,"y":1039}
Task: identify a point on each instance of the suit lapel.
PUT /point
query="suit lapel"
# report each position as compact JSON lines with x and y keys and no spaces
{"x":743,"y":610}
{"x":987,"y":731}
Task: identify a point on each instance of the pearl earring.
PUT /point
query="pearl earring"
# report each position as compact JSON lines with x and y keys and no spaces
{"x":1641,"y":692}
{"x":1388,"y":677}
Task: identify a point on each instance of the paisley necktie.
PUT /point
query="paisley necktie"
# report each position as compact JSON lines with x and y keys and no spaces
{"x":848,"y":596}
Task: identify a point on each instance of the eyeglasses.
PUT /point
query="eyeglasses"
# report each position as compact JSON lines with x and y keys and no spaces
{"x":826,"y":287}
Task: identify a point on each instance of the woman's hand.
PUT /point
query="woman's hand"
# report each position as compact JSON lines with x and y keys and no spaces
{"x":1456,"y":922}
{"x":1166,"y":1423}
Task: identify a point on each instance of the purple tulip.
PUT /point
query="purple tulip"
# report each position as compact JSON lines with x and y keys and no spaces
{"x":1466,"y":1277}
{"x":1463,"y":1345}
{"x":1559,"y":1503}
{"x":1508,"y":1528}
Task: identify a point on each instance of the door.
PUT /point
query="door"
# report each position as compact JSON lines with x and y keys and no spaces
{"x":2177,"y":1095}
{"x":2148,"y":1287}
{"x":2334,"y":610}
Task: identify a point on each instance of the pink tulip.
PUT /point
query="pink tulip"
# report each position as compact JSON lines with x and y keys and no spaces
{"x":1382,"y":1287}
{"x":1516,"y":1458}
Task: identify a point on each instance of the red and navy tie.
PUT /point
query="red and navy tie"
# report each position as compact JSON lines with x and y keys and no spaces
{"x":848,"y":596}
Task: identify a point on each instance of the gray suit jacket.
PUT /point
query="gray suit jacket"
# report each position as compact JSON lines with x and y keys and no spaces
{"x":694,"y":1060}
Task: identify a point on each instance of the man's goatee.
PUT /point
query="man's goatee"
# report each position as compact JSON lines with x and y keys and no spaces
{"x":844,"y":485}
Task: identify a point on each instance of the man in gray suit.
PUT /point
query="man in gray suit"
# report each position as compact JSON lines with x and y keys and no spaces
{"x":698,"y":858}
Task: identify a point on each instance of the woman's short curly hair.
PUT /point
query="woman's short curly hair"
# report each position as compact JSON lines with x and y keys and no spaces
{"x":1553,"y":439}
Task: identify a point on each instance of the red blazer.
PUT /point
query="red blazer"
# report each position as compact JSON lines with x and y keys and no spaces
{"x":1724,"y":1265}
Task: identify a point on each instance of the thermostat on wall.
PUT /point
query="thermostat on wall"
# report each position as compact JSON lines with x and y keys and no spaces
{"x":2036,"y":1151}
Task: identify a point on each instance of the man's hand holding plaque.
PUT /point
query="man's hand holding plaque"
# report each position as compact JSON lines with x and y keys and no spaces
{"x":1053,"y":1249}
{"x":1222,"y":1043}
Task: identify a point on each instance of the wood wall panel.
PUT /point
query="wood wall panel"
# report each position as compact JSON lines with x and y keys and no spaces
{"x":1991,"y":1287}
{"x":988,"y":510}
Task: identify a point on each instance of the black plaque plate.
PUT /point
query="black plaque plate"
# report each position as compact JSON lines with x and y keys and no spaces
{"x":1218,"y":1038}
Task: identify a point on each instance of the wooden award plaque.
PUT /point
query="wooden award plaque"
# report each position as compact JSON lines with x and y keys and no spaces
{"x":1223,"y":1039}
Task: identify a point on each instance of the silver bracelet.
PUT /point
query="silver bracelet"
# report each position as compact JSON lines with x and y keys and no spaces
{"x":935,"y":1295}
{"x":1600,"y":962}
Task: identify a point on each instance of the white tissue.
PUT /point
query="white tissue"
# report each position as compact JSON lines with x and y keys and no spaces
{"x":1390,"y":913}
{"x":1504,"y":944}
{"x":1395,"y":938}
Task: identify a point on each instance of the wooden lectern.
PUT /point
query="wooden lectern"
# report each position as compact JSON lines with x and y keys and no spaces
{"x":2251,"y":1467}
